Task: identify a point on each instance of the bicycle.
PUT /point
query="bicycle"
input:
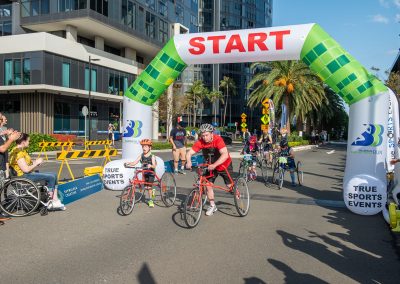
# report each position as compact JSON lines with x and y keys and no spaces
{"x":280,"y":167}
{"x":194,"y":202}
{"x":21,"y":197}
{"x":134,"y":192}
{"x":247,"y":162}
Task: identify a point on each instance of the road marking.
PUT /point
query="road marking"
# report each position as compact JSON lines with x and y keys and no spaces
{"x":72,"y":162}
{"x":330,"y":152}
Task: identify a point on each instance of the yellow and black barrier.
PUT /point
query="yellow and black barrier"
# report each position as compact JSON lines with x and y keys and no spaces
{"x":43,"y":147}
{"x":106,"y":143}
{"x":65,"y":156}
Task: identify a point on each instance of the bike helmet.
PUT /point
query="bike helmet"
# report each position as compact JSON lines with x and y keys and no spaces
{"x":253,"y":139}
{"x":206,"y":128}
{"x":283,"y":143}
{"x":146,"y":142}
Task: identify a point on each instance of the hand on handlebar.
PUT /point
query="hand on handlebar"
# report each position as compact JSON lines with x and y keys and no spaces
{"x":211,"y":167}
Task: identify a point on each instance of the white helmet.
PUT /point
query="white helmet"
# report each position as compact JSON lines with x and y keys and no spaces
{"x":206,"y":128}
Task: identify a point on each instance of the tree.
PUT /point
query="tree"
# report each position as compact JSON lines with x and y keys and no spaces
{"x":179,"y":104}
{"x":393,"y":82}
{"x":287,"y":82}
{"x":196,"y":93}
{"x":229,"y":86}
{"x":214,"y":97}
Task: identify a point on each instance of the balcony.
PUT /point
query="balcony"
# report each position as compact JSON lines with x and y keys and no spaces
{"x":89,"y":24}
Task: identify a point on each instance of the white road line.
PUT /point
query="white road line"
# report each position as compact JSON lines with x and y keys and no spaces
{"x":330,"y":152}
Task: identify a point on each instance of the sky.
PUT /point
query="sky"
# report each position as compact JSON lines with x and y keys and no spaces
{"x":367,"y":29}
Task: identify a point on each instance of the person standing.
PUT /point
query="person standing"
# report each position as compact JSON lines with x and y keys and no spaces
{"x":178,"y":140}
{"x":111,"y":129}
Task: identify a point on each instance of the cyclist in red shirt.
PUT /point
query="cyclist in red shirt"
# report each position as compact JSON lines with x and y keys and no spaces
{"x":216,"y":154}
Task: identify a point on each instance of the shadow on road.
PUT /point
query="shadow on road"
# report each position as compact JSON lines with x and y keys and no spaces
{"x":145,"y":276}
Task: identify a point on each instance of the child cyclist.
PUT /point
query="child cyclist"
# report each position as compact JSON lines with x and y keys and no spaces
{"x":251,"y":147}
{"x":148,"y":161}
{"x":287,"y":151}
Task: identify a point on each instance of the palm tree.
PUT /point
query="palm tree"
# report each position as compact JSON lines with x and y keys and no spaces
{"x":227,"y":84}
{"x":196,"y":93}
{"x":287,"y":82}
{"x":331,"y":106}
{"x":214,"y":97}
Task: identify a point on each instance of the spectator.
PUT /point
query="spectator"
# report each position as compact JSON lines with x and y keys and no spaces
{"x":7,"y":137}
{"x":178,"y":140}
{"x":22,"y":165}
{"x":246,"y":135}
{"x":111,"y":129}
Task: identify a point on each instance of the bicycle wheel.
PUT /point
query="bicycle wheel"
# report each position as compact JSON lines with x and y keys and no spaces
{"x":281,"y":177}
{"x":299,"y":173}
{"x":168,"y":189}
{"x":241,"y":197}
{"x":193,"y":206}
{"x":19,"y":197}
{"x":264,"y":170}
{"x":127,"y":200}
{"x":275,"y":173}
{"x":243,"y":170}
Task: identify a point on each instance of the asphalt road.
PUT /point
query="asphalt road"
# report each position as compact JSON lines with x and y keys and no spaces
{"x":293,"y":235}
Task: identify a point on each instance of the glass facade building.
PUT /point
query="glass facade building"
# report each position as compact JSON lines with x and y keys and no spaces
{"x":231,"y":15}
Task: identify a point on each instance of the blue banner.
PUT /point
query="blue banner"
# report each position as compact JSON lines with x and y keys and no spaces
{"x":283,"y":117}
{"x":79,"y":188}
{"x":196,"y":160}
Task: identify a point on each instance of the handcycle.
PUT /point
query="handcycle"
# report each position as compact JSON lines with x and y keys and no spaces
{"x":134,"y":192}
{"x":21,"y":197}
{"x":281,"y":166}
{"x":195,"y":200}
{"x":247,"y":162}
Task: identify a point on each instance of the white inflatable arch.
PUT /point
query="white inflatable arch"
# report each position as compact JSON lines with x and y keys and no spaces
{"x":368,"y":98}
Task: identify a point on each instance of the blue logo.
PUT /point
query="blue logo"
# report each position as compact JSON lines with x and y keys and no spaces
{"x":371,"y":137}
{"x":133,"y":129}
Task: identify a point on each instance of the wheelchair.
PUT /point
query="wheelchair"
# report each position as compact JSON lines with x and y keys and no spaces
{"x":22,"y":197}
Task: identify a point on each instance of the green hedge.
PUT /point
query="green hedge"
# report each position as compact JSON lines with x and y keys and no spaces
{"x":299,"y":143}
{"x":34,"y":139}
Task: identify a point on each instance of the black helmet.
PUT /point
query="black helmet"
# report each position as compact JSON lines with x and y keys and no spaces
{"x":283,"y":143}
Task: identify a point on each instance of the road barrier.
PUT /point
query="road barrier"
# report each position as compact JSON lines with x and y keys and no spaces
{"x":65,"y":156}
{"x":43,"y":146}
{"x":106,"y":143}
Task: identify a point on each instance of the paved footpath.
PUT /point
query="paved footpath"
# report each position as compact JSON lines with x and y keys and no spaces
{"x":293,"y":235}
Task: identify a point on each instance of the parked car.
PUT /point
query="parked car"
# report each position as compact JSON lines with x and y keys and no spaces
{"x":227,"y":137}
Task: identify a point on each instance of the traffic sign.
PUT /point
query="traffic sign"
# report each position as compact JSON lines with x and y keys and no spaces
{"x":85,"y":110}
{"x":243,"y":120}
{"x":265,"y":103}
{"x":264,"y":127}
{"x":265,"y":119}
{"x":243,"y":115}
{"x":243,"y":129}
{"x":243,"y":125}
{"x":265,"y":110}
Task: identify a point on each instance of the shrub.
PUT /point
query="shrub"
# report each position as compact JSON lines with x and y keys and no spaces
{"x":298,"y":143}
{"x":34,"y":139}
{"x":165,"y":145}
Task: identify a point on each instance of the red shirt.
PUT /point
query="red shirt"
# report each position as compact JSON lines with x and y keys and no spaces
{"x":213,"y":148}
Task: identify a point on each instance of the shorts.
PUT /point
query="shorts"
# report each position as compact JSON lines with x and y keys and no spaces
{"x":149,"y":177}
{"x":110,"y":136}
{"x":179,"y":154}
{"x":268,"y":147}
{"x":223,"y":174}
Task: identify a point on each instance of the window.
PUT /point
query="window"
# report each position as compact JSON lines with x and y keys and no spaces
{"x":62,"y":115}
{"x":162,"y":8}
{"x":66,"y":75}
{"x":117,"y":84}
{"x":179,"y":13}
{"x":128,"y":13}
{"x":150,"y":25}
{"x":163,"y":31}
{"x":5,"y":10}
{"x":100,"y":6}
{"x":36,"y":7}
{"x":26,"y":72}
{"x":8,"y":76}
{"x":94,"y":80}
{"x":151,"y":4}
{"x":5,"y":28}
{"x":17,"y":72}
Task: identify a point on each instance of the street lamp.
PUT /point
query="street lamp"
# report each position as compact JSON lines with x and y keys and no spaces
{"x":90,"y":93}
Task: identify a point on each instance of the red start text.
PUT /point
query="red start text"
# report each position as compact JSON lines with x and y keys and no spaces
{"x":222,"y":44}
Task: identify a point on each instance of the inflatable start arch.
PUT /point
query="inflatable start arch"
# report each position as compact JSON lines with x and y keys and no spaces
{"x":368,"y":98}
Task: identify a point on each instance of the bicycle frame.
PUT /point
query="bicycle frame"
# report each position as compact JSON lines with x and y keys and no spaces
{"x":136,"y":181}
{"x":204,"y":182}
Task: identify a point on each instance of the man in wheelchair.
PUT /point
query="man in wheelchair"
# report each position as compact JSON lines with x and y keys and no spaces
{"x":21,"y":165}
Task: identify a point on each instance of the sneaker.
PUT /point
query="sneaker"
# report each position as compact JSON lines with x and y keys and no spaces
{"x":153,"y":194}
{"x":56,"y":205}
{"x":176,"y":171}
{"x":182,"y":172}
{"x":151,"y":203}
{"x":293,"y":184}
{"x":211,"y":210}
